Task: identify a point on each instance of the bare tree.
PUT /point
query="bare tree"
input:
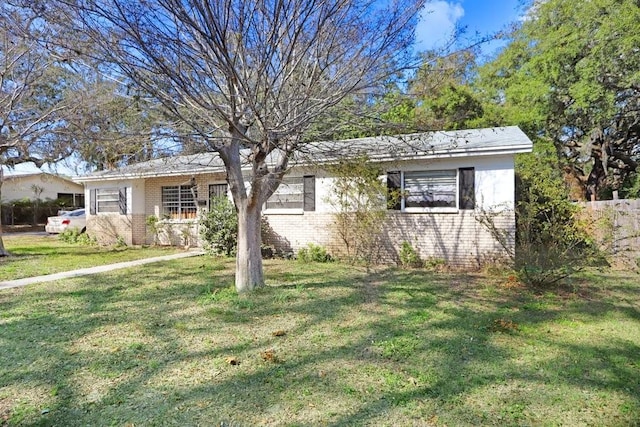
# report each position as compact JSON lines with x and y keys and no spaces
{"x":250,"y":77}
{"x":32,"y":94}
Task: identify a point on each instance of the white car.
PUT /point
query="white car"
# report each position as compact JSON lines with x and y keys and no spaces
{"x":72,"y":219}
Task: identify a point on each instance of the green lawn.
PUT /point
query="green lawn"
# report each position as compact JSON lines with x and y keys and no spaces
{"x":329,"y":344}
{"x":35,"y":255}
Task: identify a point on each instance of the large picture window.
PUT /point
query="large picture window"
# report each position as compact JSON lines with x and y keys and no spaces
{"x":179,"y":202}
{"x":430,"y":189}
{"x":437,"y":190}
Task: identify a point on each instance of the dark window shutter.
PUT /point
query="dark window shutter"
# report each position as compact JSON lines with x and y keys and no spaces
{"x":122,"y":200}
{"x":309,"y":184}
{"x":467,"y":189}
{"x":394,"y":185}
{"x":92,"y":202}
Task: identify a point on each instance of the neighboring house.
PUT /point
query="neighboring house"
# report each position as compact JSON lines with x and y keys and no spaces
{"x":449,"y":180}
{"x":41,"y":185}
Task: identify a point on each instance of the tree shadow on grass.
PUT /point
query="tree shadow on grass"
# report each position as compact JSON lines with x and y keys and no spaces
{"x":153,"y":346}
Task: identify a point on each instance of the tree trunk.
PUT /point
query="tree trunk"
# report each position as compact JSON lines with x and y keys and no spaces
{"x":249,"y":274}
{"x":3,"y":251}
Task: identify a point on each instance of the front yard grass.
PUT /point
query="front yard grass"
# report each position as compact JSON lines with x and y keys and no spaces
{"x":323,"y":344}
{"x":36,"y":255}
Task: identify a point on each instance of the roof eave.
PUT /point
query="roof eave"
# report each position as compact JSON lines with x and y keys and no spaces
{"x":454,"y":153}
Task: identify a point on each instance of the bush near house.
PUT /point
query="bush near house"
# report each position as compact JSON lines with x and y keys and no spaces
{"x":219,"y":227}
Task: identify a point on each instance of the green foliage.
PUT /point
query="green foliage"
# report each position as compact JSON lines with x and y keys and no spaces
{"x":570,"y":74}
{"x":313,"y":253}
{"x":435,"y":264}
{"x":551,"y":241}
{"x":360,"y":200}
{"x":219,"y":227}
{"x":24,"y":211}
{"x":409,"y":257}
{"x":444,"y":99}
{"x":74,"y":236}
{"x":120,"y":242}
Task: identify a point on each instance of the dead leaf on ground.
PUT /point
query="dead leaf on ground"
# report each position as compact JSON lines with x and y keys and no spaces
{"x":269,"y":355}
{"x":231,"y":360}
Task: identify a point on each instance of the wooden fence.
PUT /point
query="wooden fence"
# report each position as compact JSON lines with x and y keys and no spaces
{"x":617,"y":224}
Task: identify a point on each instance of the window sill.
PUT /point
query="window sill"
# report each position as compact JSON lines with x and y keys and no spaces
{"x":431,"y":210}
{"x":284,"y":211}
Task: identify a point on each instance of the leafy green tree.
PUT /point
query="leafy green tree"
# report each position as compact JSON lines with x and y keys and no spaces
{"x":118,"y":125}
{"x":443,"y":97}
{"x":572,"y":75}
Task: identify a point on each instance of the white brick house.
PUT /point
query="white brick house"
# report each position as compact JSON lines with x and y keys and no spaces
{"x":447,"y":178}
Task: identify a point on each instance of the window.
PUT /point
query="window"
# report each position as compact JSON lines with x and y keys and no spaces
{"x":294,"y":193}
{"x":71,"y":199}
{"x":217,"y":190}
{"x":179,"y":202}
{"x":108,"y":200}
{"x":433,"y":190}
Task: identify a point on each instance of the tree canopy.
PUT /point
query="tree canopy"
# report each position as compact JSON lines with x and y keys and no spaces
{"x":247,"y":79}
{"x":572,"y":74}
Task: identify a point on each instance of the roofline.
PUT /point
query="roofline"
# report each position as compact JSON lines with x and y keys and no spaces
{"x":443,"y":154}
{"x":29,"y":174}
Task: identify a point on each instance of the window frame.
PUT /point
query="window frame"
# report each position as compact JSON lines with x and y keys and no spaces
{"x":306,"y":195}
{"x":186,"y":210}
{"x":109,"y":197}
{"x":118,"y":195}
{"x":396,"y":181}
{"x":409,"y":209}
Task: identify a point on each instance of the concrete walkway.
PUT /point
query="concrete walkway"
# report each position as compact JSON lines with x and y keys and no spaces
{"x":93,"y":270}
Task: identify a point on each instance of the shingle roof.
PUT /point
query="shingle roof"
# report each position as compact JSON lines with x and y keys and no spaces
{"x":477,"y":142}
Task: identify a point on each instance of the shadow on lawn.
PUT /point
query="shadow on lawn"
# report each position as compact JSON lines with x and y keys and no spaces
{"x":358,"y":348}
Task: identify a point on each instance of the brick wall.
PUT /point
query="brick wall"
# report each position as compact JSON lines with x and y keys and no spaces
{"x":107,"y":228}
{"x":459,"y":239}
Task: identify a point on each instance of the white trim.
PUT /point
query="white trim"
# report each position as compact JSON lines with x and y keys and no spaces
{"x":293,"y":211}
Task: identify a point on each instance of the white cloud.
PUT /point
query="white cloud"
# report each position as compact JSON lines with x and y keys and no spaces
{"x":437,"y":22}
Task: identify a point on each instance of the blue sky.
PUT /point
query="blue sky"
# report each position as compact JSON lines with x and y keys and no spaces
{"x":440,"y":18}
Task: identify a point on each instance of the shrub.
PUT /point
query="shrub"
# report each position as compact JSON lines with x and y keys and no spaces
{"x":409,"y":257}
{"x":552,"y":242}
{"x":313,"y":253}
{"x":219,"y":227}
{"x":74,"y":236}
{"x":359,"y":198}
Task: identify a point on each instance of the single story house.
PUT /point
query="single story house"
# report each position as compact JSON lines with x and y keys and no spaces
{"x":40,"y":185}
{"x":448,"y":180}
